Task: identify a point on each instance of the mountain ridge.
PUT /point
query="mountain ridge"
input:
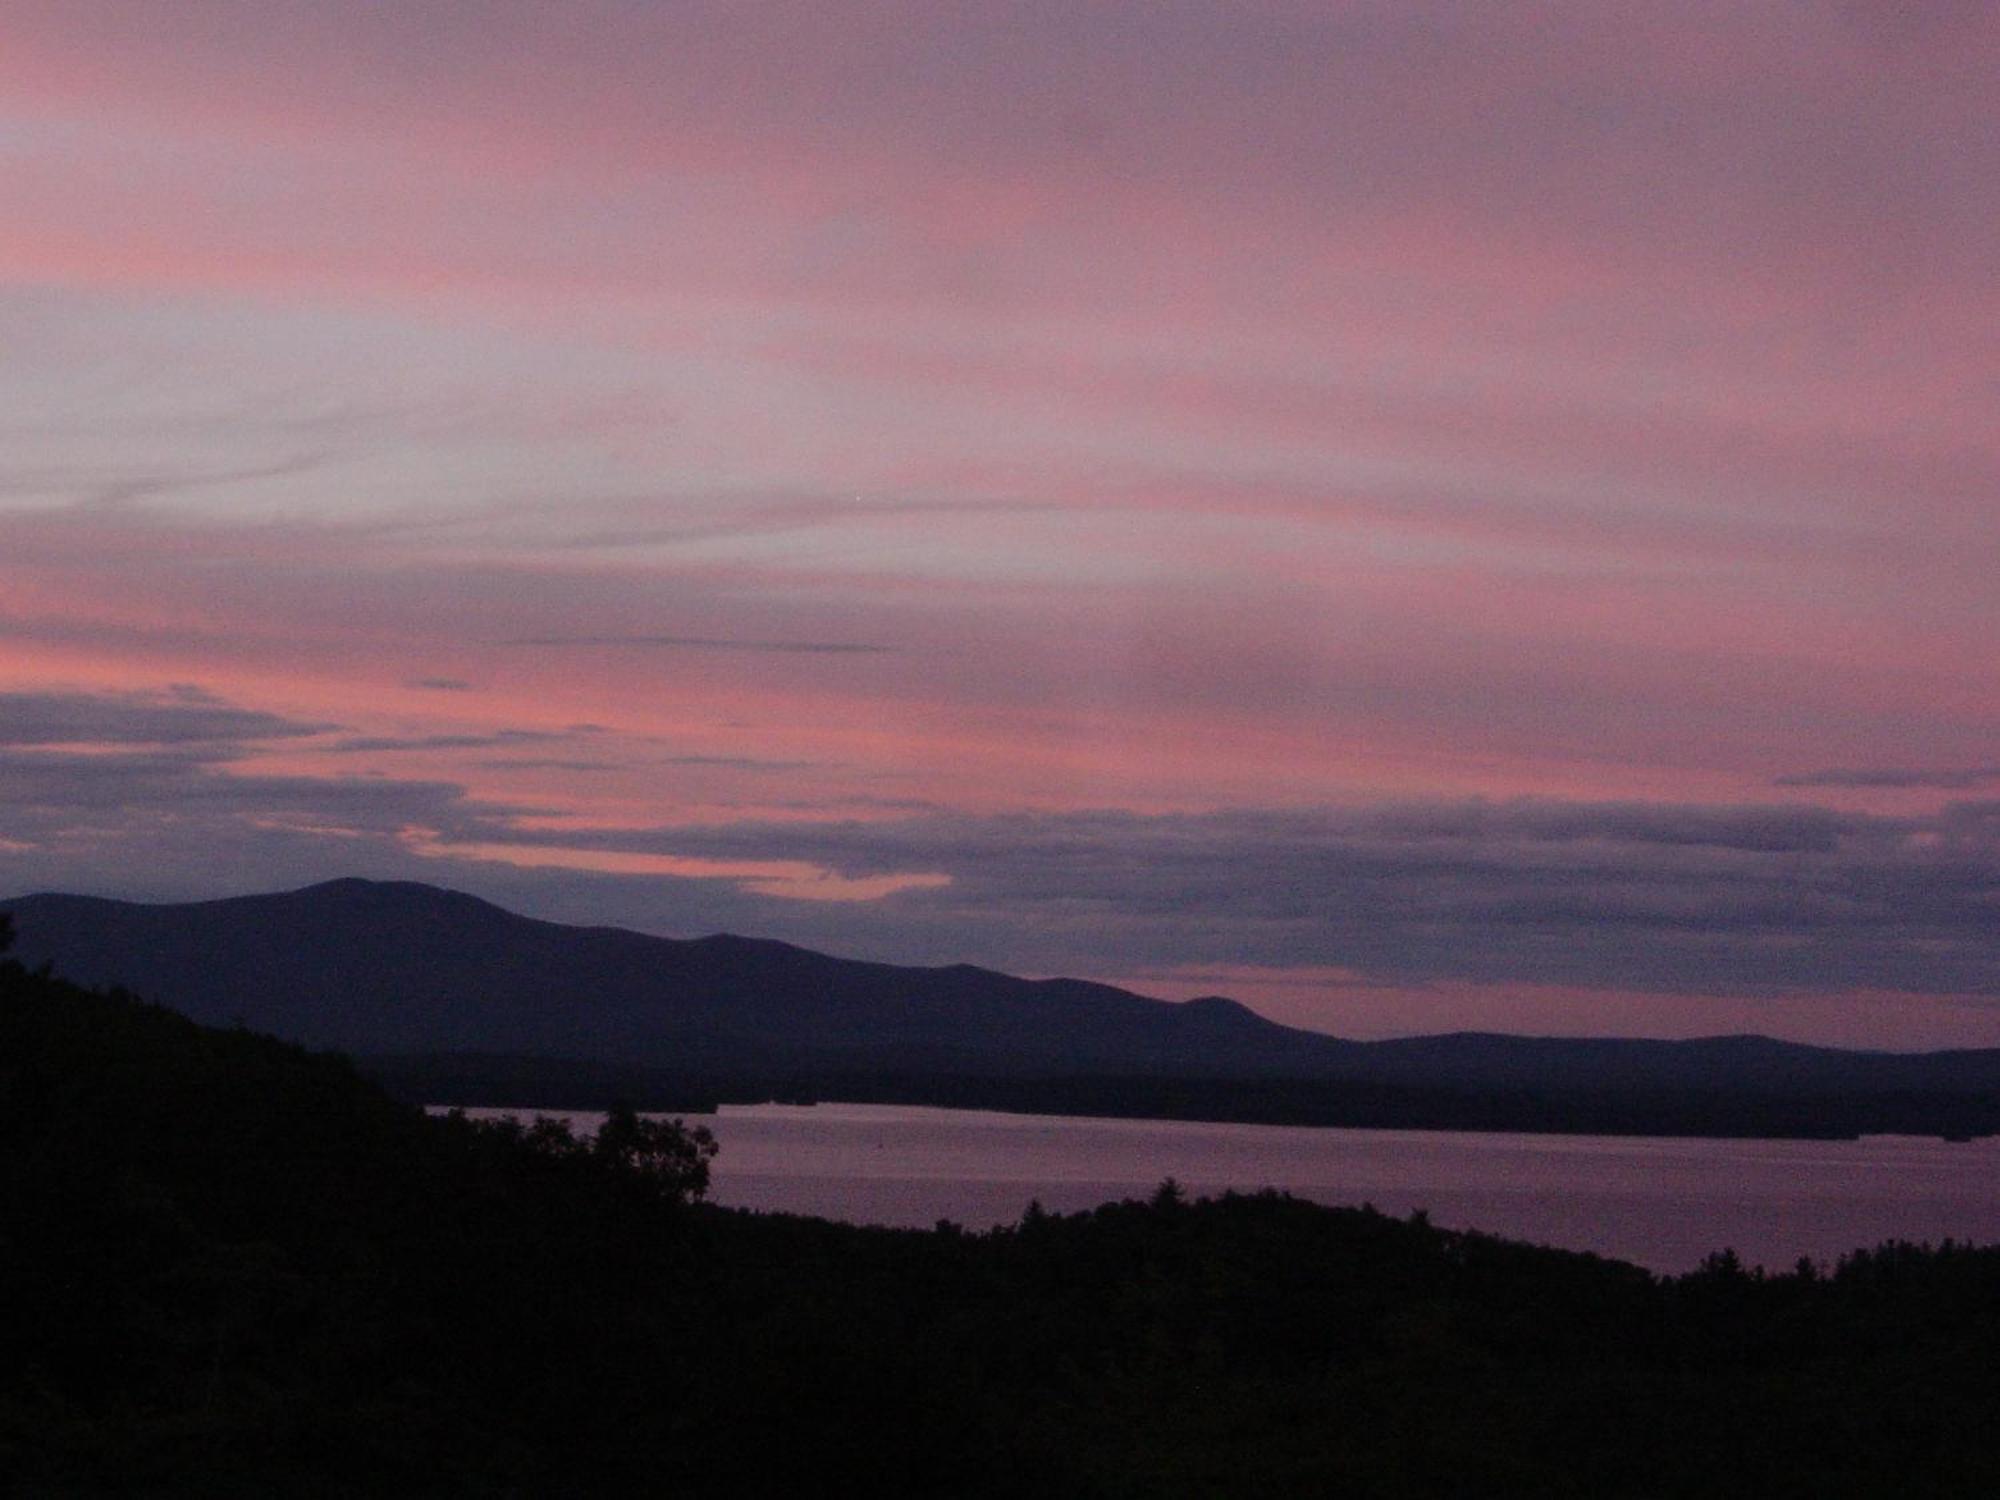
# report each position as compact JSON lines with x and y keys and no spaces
{"x":446,"y":970}
{"x":404,"y":969}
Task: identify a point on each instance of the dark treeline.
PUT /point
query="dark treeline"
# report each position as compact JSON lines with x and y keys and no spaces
{"x":1812,"y":1114}
{"x":230,"y":1267}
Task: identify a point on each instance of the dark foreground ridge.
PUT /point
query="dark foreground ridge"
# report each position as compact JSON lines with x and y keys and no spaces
{"x":448,"y":999}
{"x":232,"y":1268}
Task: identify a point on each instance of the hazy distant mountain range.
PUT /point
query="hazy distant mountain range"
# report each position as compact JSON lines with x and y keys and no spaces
{"x":452,"y":996}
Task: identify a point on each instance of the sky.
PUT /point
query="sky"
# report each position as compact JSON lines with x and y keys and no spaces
{"x":1417,"y":516}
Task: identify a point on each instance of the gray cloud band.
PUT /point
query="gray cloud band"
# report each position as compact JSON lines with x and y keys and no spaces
{"x":1652,"y":897}
{"x":186,"y":718}
{"x":1897,"y":778}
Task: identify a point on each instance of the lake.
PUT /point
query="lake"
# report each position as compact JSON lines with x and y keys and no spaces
{"x":1662,"y":1203}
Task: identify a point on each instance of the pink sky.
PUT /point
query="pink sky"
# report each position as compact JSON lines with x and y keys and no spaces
{"x":1419,"y":516}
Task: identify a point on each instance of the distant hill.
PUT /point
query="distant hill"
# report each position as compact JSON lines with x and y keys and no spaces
{"x":371,"y":967}
{"x":445,"y":991}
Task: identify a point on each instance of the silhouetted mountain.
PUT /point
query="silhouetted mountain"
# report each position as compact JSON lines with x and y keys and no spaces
{"x":376,"y":968}
{"x":457,"y":999}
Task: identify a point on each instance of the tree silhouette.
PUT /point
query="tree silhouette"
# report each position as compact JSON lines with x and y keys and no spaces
{"x":668,"y":1155}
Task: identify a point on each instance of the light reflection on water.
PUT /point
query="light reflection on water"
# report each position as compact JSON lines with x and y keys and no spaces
{"x":1663,"y":1203}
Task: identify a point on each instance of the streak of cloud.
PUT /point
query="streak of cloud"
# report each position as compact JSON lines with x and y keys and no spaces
{"x":365,"y":744}
{"x":45,"y":718}
{"x":709,"y":643}
{"x":1895,"y":778}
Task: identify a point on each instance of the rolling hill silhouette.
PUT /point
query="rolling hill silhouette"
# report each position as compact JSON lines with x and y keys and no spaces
{"x":372,"y":967}
{"x":402,"y":970}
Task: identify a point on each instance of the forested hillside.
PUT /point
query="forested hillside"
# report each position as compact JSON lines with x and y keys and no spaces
{"x":230,"y":1267}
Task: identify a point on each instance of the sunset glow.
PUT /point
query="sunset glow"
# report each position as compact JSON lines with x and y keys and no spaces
{"x":1421,"y":517}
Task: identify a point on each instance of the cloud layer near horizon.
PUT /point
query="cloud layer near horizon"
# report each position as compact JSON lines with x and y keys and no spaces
{"x":1736,"y":903}
{"x":752,"y":466}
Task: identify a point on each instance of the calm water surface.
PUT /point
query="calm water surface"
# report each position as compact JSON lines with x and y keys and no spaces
{"x":1663,"y":1203}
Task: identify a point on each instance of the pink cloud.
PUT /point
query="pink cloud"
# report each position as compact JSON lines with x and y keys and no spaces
{"x":1268,"y":406}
